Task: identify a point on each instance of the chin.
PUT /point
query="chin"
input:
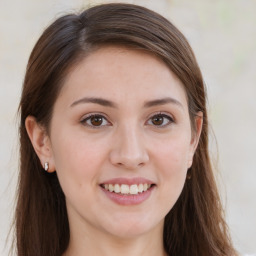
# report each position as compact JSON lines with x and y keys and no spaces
{"x":133,"y":227}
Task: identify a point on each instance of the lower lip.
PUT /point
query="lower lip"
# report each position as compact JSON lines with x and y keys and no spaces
{"x":128,"y":199}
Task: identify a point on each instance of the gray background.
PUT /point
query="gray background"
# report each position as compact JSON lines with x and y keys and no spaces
{"x":223,"y":36}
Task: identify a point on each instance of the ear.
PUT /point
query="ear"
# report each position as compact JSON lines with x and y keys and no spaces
{"x":195,"y":137}
{"x":40,"y":141}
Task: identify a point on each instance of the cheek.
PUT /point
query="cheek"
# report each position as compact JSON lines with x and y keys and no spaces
{"x":78,"y":166}
{"x":173,"y":155}
{"x":172,"y":168}
{"x":77,"y":161}
{"x":76,"y":152}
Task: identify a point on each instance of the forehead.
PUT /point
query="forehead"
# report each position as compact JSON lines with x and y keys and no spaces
{"x":122,"y":73}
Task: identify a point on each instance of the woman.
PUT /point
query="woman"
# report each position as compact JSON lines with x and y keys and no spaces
{"x":114,"y":141}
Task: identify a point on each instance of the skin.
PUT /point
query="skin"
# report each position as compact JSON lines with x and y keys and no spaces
{"x":128,"y":144}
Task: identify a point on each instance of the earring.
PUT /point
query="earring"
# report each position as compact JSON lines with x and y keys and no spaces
{"x":46,"y":166}
{"x":189,"y":175}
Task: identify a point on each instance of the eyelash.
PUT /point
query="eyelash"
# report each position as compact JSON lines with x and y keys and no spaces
{"x":89,"y":118}
{"x":167,"y":120}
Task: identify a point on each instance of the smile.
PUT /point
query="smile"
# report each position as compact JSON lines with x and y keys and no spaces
{"x":128,"y":191}
{"x":125,"y":189}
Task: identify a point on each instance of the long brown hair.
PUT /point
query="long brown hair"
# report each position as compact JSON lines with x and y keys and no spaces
{"x":195,"y":225}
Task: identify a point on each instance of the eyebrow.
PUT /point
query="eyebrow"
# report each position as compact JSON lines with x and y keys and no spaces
{"x":99,"y":101}
{"x":108,"y":103}
{"x":163,"y":101}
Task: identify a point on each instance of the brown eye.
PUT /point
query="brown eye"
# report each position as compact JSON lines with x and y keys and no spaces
{"x":157,"y":120}
{"x":160,"y":120}
{"x":95,"y":121}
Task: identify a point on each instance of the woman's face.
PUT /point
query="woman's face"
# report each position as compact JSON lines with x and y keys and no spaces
{"x":121,"y":123}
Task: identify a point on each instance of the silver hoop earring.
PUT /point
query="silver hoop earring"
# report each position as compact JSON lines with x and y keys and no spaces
{"x":46,"y":166}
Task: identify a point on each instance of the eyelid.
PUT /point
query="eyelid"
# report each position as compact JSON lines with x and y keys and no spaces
{"x":90,"y":115}
{"x":164,"y":114}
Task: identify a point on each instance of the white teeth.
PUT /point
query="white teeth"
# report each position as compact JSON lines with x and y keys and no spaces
{"x":117,"y":188}
{"x":140,"y":188}
{"x":125,"y":189}
{"x":110,"y":187}
{"x":134,"y":189}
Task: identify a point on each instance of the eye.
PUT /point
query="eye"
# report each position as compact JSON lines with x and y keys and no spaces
{"x":160,"y":120}
{"x":95,"y":121}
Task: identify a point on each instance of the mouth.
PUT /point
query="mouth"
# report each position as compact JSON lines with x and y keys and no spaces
{"x":126,"y":189}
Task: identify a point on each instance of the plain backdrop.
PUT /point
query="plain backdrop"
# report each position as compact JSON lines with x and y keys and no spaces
{"x":223,"y":36}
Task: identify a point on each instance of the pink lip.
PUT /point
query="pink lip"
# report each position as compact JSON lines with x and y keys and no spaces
{"x":128,"y":181}
{"x":128,"y":199}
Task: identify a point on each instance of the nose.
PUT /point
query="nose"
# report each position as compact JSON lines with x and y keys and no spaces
{"x":128,"y":149}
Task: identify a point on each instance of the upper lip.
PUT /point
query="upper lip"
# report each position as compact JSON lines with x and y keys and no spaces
{"x":128,"y":181}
